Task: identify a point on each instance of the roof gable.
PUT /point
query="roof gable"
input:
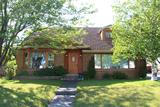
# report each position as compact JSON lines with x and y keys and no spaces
{"x":93,"y":39}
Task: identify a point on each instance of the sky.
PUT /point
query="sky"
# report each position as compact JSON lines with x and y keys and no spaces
{"x":102,"y":17}
{"x":104,"y":14}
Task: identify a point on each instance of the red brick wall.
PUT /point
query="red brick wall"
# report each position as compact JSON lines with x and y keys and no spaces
{"x":131,"y":72}
{"x":19,"y":59}
{"x":59,"y":60}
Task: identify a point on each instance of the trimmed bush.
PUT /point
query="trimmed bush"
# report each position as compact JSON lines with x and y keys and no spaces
{"x":119,"y":75}
{"x":55,"y":71}
{"x":91,"y":72}
{"x":107,"y":76}
{"x":85,"y":75}
{"x":59,"y":71}
{"x":10,"y":69}
{"x":44,"y":72}
{"x":143,"y":74}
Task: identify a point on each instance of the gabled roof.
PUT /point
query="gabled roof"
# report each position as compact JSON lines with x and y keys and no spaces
{"x":93,"y":39}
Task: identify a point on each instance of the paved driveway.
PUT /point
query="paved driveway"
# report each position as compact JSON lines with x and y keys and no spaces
{"x":149,"y":76}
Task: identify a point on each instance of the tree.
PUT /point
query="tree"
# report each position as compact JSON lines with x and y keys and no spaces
{"x":18,"y":15}
{"x":57,"y":38}
{"x":136,"y":32}
{"x":91,"y":72}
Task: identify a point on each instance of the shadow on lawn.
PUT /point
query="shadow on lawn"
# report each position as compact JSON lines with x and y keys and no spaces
{"x":12,"y":98}
{"x":41,"y":82}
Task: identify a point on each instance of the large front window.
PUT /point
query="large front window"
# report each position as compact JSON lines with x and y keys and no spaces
{"x":104,"y":61}
{"x":38,"y":60}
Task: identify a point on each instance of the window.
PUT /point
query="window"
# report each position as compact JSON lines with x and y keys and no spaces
{"x":26,"y":58}
{"x":97,"y":59}
{"x":73,"y":59}
{"x":108,"y":34}
{"x":123,"y":64}
{"x":50,"y":59}
{"x":38,"y":60}
{"x":104,"y":61}
{"x":131,"y":64}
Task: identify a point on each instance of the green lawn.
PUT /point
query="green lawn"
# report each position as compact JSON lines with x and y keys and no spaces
{"x":118,"y":93}
{"x":27,"y":93}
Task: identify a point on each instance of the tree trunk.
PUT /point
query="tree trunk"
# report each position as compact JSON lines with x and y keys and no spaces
{"x":141,"y":67}
{"x":2,"y":71}
{"x":154,"y":71}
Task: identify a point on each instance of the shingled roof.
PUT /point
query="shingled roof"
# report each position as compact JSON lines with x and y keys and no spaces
{"x":93,"y":39}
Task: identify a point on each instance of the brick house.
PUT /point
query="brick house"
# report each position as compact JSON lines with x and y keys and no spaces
{"x":98,"y":44}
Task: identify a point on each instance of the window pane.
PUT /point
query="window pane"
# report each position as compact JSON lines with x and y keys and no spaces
{"x":26,"y":58}
{"x":120,"y":64}
{"x":97,"y":59}
{"x":123,"y":64}
{"x":50,"y":60}
{"x":43,"y":61}
{"x":108,"y":34}
{"x":131,"y":64}
{"x":38,"y":60}
{"x":106,"y":61}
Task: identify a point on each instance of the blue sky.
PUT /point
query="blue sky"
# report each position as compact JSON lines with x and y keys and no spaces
{"x":104,"y":14}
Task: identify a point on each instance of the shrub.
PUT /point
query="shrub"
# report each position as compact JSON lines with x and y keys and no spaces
{"x":142,"y":74}
{"x":85,"y":75}
{"x":22,"y":73}
{"x":10,"y":69}
{"x":91,"y":72}
{"x":44,"y":72}
{"x":119,"y":75}
{"x":107,"y":76}
{"x":55,"y":71}
{"x":59,"y":71}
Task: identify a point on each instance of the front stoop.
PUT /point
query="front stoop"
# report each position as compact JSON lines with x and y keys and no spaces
{"x":65,"y":95}
{"x":66,"y":91}
{"x":71,"y":77}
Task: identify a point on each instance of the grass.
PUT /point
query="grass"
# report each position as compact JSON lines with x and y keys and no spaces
{"x":27,"y":93}
{"x":118,"y":93}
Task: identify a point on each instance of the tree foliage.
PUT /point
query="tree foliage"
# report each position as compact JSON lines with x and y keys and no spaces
{"x":57,"y":38}
{"x":19,"y":15}
{"x":136,"y":32}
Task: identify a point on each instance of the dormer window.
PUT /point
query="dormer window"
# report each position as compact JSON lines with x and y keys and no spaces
{"x":108,"y":34}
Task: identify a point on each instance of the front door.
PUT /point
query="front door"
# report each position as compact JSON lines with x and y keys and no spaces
{"x":73,"y":57}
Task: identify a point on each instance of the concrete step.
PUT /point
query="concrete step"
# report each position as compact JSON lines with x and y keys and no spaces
{"x":71,"y":77}
{"x":66,"y":91}
{"x":62,"y":101}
